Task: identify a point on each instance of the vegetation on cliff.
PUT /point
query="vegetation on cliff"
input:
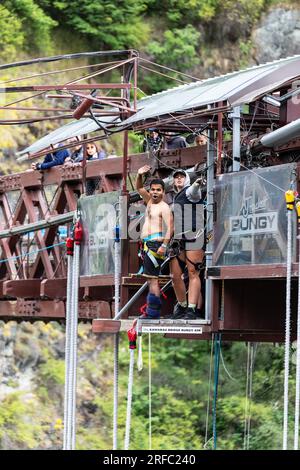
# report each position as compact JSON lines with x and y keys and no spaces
{"x":32,"y":388}
{"x":201,"y":37}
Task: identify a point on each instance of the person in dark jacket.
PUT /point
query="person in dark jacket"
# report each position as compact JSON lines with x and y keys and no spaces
{"x":189,"y":237}
{"x":55,"y":158}
{"x":152,"y":141}
{"x":175,"y":141}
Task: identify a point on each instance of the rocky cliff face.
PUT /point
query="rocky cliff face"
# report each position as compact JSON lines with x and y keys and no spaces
{"x":32,"y":355}
{"x":32,"y":386}
{"x":277,"y":35}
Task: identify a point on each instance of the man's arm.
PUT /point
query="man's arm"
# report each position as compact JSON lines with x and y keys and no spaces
{"x":139,"y":183}
{"x":58,"y":159}
{"x":194,"y":193}
{"x":167,"y":218}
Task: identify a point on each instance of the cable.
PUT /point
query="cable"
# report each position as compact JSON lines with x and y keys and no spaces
{"x":66,"y":56}
{"x":290,"y":204}
{"x":116,"y":387}
{"x":226,"y":370}
{"x":297,"y":395}
{"x":142,"y":59}
{"x":208,"y":394}
{"x":129,"y":400}
{"x":117,"y":262}
{"x":217,"y":341}
{"x":68,"y":392}
{"x":150,"y":390}
{"x":251,"y":349}
{"x":32,"y":253}
{"x":164,"y":75}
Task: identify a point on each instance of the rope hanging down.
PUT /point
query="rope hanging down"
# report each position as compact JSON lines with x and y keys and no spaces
{"x":67,"y":396}
{"x":250,"y":363}
{"x":117,"y":259}
{"x":290,"y":202}
{"x":71,"y":346}
{"x":217,"y":341}
{"x":132,"y":346}
{"x":297,"y":397}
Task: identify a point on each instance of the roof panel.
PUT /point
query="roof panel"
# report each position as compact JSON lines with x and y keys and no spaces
{"x":236,"y":88}
{"x":72,"y":129}
{"x":233,"y":87}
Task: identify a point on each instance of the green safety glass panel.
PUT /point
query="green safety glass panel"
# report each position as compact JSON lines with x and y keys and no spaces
{"x":99,"y":217}
{"x":251,"y":216}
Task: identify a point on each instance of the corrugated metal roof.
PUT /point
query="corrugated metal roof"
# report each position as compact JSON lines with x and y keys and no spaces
{"x":236,"y":88}
{"x":73,"y":129}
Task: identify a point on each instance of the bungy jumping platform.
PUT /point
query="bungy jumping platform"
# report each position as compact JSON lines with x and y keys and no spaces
{"x":184,"y":329}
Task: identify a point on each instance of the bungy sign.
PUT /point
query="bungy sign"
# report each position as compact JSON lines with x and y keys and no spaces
{"x":251,"y":222}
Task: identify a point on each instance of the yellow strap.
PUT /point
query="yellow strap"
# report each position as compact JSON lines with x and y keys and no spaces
{"x":153,"y":253}
{"x":290,"y":199}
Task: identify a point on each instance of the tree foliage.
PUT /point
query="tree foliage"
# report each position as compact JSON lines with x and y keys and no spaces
{"x":108,"y":25}
{"x":23,"y":26}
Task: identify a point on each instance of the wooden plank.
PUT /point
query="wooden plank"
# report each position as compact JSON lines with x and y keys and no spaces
{"x":263,"y":271}
{"x":106,"y":326}
{"x":25,"y":288}
{"x":99,"y":280}
{"x":54,"y":288}
{"x":138,"y":280}
{"x":114,"y":326}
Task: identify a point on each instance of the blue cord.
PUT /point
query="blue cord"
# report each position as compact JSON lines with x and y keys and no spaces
{"x":32,"y":253}
{"x":217,"y":341}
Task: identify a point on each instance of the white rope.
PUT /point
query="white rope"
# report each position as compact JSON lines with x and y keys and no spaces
{"x":71,"y":352}
{"x":129,"y":400}
{"x":67,"y":397}
{"x":140,"y":354}
{"x":250,"y":393}
{"x":287,"y":331}
{"x":150,"y":390}
{"x":247,"y":395}
{"x":208,"y":395}
{"x":297,"y":398}
{"x":74,"y":328}
{"x":117,"y":262}
{"x":116,"y":386}
{"x":225,"y":368}
{"x":248,"y":401}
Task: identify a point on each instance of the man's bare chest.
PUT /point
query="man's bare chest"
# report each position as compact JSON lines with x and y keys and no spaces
{"x":154,"y":212}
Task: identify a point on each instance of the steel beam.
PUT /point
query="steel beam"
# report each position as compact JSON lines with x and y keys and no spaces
{"x":39,"y":225}
{"x":22,"y":309}
{"x":74,"y":86}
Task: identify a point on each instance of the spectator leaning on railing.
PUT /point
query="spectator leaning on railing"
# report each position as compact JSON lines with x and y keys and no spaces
{"x":55,"y":158}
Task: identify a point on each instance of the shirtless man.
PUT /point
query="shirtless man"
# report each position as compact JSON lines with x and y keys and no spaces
{"x":156,"y":234}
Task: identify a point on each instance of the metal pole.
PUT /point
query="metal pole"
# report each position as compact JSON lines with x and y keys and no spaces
{"x":236,"y":144}
{"x":209,"y":216}
{"x":34,"y":226}
{"x":139,"y":293}
{"x":297,"y":398}
{"x":287,"y":326}
{"x":220,"y":143}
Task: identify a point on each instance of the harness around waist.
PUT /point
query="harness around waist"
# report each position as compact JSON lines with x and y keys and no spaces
{"x":153,"y":236}
{"x":152,"y":255}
